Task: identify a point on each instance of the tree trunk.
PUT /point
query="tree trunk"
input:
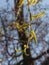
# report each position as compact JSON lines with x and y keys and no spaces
{"x":26,"y":59}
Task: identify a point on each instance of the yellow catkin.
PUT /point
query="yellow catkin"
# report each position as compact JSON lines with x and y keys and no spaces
{"x":33,"y":17}
{"x":18,"y":50}
{"x":24,"y":51}
{"x":32,"y":2}
{"x":32,"y":36}
{"x":22,"y":27}
{"x":21,"y":2}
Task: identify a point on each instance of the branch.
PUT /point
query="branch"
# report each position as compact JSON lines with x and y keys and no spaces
{"x":44,"y":53}
{"x":5,"y":33}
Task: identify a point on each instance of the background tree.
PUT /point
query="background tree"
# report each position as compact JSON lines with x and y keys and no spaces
{"x":8,"y":30}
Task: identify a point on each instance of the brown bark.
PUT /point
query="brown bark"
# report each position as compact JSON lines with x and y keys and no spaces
{"x":26,"y":59}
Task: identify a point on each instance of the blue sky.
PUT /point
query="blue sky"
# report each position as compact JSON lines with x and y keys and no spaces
{"x":3,"y":5}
